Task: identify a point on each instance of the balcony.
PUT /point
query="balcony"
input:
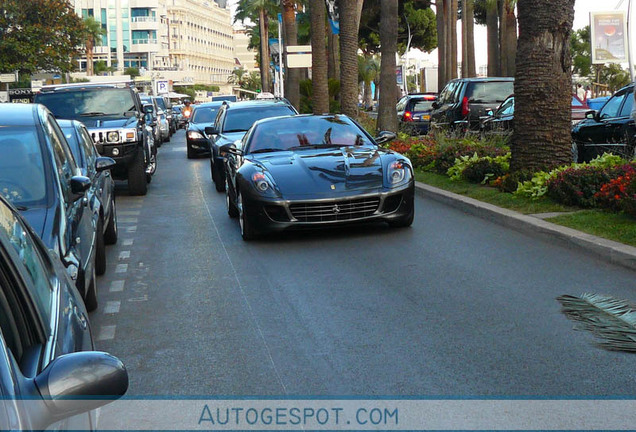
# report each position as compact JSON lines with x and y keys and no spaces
{"x":144,"y":23}
{"x":144,"y":46}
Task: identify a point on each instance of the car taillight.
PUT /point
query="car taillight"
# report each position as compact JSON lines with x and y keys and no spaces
{"x":465,"y":107}
{"x":408,"y":116}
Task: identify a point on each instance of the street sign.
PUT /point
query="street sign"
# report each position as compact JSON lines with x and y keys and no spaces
{"x":36,"y":85}
{"x":8,"y":77}
{"x":163,"y":87}
{"x":4,"y":96}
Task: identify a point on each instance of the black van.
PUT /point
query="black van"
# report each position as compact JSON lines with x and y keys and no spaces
{"x":463,"y":101}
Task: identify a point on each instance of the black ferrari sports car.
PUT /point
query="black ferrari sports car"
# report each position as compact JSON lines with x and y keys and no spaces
{"x":298,"y":172}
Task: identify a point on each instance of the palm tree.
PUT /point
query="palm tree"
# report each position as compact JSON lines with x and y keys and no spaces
{"x":492,"y":27}
{"x":259,"y":10}
{"x":387,"y":119}
{"x":292,"y":76}
{"x":541,"y":138}
{"x":468,"y":39}
{"x":348,"y":11}
{"x":93,"y":33}
{"x":368,"y":70}
{"x":508,"y":37}
{"x":319,"y":68}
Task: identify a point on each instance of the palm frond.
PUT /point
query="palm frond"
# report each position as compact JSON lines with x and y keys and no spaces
{"x":611,"y":320}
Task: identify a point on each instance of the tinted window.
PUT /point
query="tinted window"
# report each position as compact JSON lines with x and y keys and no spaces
{"x":507,"y":108}
{"x":73,"y":143}
{"x":22,"y":179}
{"x":204,"y":115}
{"x":28,"y":252}
{"x":293,"y":132}
{"x":64,"y":162}
{"x":242,"y":120}
{"x":161,"y":103}
{"x":422,"y":105}
{"x":88,"y":102}
{"x":448,"y":93}
{"x":629,"y":103}
{"x":612,"y":106}
{"x":489,"y":91}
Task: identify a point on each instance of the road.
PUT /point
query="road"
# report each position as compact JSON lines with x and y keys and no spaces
{"x":454,"y":305}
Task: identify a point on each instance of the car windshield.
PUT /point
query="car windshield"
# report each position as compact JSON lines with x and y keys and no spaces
{"x":297,"y":133}
{"x":240,"y":120}
{"x":82,"y":103}
{"x":204,"y":115}
{"x":161,"y":103}
{"x":489,"y":91}
{"x":22,"y":178}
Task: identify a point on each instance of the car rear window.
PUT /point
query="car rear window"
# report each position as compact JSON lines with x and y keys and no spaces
{"x":243,"y":119}
{"x":489,"y":91}
{"x":423,"y":105}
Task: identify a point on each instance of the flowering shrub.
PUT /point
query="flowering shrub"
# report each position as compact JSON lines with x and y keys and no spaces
{"x":578,"y":186}
{"x":446,"y":156}
{"x":477,"y":169}
{"x":619,"y":190}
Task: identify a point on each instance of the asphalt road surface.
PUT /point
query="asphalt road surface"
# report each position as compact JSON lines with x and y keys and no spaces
{"x":454,"y":305}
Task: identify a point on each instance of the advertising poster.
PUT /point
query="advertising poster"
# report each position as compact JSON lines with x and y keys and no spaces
{"x":609,"y":37}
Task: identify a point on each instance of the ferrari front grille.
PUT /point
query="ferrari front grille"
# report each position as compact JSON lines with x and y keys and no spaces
{"x":331,"y":211}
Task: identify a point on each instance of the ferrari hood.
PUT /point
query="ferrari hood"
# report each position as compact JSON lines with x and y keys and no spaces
{"x":324,"y":171}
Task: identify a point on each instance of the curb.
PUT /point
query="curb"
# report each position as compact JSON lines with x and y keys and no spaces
{"x":608,"y":250}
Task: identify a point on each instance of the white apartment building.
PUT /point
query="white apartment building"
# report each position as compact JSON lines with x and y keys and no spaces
{"x":246,"y":57}
{"x":186,"y":41}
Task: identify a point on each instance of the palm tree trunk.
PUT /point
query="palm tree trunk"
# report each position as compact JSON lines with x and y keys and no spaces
{"x":292,"y":79}
{"x":511,"y":36}
{"x":492,"y":28}
{"x":348,"y":57}
{"x":334,"y":56}
{"x":441,"y":44}
{"x":453,"y":39}
{"x":387,"y":120}
{"x":470,"y":37}
{"x":541,"y":138}
{"x":503,"y":53}
{"x":264,"y":63}
{"x":89,"y":57}
{"x":320,"y":88}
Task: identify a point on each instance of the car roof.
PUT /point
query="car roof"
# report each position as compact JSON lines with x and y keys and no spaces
{"x":17,"y":114}
{"x":65,"y":123}
{"x":256,"y":103}
{"x":213,"y":104}
{"x":300,"y":116}
{"x":485,"y":79}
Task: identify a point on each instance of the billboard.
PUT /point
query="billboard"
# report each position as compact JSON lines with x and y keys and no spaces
{"x":609,"y":37}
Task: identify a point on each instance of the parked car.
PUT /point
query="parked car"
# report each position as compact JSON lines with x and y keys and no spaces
{"x":232,"y":121}
{"x":462,"y":102}
{"x":315,"y":171}
{"x":161,"y":128}
{"x":166,"y":106}
{"x":38,"y":174}
{"x":176,"y":111}
{"x":611,"y":129}
{"x":46,"y":349}
{"x":101,"y":194}
{"x":414,"y":112}
{"x":500,"y":121}
{"x":203,"y":115}
{"x":114,"y":116}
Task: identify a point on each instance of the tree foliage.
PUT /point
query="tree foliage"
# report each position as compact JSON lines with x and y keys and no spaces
{"x":39,"y":35}
{"x":421,"y":19}
{"x":581,"y":51}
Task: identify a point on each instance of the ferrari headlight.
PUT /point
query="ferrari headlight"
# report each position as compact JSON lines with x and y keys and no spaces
{"x":112,"y":137}
{"x":399,"y":173}
{"x":264,"y":184}
{"x":193,"y":135}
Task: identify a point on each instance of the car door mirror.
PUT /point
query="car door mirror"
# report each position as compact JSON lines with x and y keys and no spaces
{"x":149,"y":109}
{"x":76,"y":383}
{"x":79,"y":186}
{"x":104,"y":163}
{"x":230,"y":148}
{"x":591,"y":115}
{"x":385,"y":137}
{"x":211,"y":130}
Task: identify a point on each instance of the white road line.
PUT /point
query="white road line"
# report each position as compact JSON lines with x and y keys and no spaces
{"x":252,"y":315}
{"x":106,"y":333}
{"x":128,"y":242}
{"x":127,"y":220}
{"x":117,"y":286}
{"x":124,"y":255}
{"x":128,"y":213}
{"x":112,"y":307}
{"x":121,"y":268}
{"x":131,"y":229}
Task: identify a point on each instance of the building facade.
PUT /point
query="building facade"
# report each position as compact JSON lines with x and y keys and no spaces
{"x":246,"y":57}
{"x":186,"y":41}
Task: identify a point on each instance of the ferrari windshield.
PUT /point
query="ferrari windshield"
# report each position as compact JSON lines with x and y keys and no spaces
{"x":22,"y":178}
{"x":82,"y":103}
{"x":299,"y":132}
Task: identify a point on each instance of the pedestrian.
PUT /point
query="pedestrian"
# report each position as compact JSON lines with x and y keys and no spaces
{"x":588,"y":93}
{"x":580,"y":92}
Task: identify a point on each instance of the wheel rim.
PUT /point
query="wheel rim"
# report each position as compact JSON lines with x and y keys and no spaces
{"x":227,"y":195}
{"x":239,"y":204}
{"x":114,"y":212}
{"x":152,"y":166}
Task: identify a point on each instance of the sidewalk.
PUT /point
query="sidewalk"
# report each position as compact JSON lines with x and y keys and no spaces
{"x":613,"y":252}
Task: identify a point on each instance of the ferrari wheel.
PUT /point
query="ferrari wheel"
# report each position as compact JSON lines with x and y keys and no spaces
{"x":247,"y":232}
{"x":232,"y":211}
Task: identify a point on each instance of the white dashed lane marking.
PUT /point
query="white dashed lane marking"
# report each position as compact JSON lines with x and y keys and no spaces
{"x":127,"y":220}
{"x":131,"y":229}
{"x":124,"y":255}
{"x":112,"y":307}
{"x":121,"y":268}
{"x":117,"y":286}
{"x":128,"y":242}
{"x":106,"y":333}
{"x":129,"y":213}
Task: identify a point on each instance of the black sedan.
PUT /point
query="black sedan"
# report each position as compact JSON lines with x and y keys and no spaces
{"x":38,"y":174}
{"x":46,"y":349}
{"x":500,"y":121}
{"x":315,"y":171}
{"x":101,"y":195}
{"x":611,"y":129}
{"x":203,"y":116}
{"x":414,"y":112}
